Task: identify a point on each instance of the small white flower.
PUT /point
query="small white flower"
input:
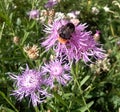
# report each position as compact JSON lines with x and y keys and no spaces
{"x":59,"y":15}
{"x":106,"y":8}
{"x":95,"y":10}
{"x":71,"y":15}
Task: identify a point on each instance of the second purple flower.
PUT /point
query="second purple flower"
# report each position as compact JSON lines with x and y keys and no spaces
{"x":55,"y":71}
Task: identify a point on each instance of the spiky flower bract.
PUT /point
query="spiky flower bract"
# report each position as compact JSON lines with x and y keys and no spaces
{"x":56,"y":72}
{"x":30,"y":84}
{"x":81,"y":44}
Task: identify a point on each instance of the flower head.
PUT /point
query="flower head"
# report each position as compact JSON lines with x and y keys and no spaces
{"x":95,"y":10}
{"x":56,"y":72}
{"x":96,"y":36}
{"x":106,"y":8}
{"x":59,"y":16}
{"x":33,"y":14}
{"x":16,"y":40}
{"x":101,"y":65}
{"x":78,"y":45}
{"x":51,"y":3}
{"x":118,"y":42}
{"x":32,"y":52}
{"x":73,"y":14}
{"x":30,"y":84}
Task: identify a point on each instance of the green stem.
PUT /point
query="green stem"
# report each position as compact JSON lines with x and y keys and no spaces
{"x":79,"y":86}
{"x":81,"y":94}
{"x":8,"y":101}
{"x":112,"y":30}
{"x":2,"y":30}
{"x":36,"y":109}
{"x":88,"y":5}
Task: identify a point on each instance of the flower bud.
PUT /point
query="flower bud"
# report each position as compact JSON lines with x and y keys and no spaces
{"x":97,"y":36}
{"x":16,"y":40}
{"x":32,"y":52}
{"x":95,"y":10}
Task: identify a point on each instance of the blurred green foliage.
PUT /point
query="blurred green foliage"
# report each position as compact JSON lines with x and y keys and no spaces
{"x":87,"y":91}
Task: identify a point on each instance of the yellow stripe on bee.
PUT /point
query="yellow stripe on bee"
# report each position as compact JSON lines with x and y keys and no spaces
{"x":61,"y":40}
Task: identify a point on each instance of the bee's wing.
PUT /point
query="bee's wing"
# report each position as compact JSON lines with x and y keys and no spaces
{"x":61,"y":29}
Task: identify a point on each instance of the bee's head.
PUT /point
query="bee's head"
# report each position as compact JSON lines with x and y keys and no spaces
{"x":71,"y":26}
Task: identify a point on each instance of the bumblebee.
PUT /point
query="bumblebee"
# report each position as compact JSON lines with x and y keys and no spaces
{"x":65,"y":32}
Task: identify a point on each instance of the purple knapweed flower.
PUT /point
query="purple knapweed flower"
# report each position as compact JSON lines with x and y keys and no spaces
{"x":30,"y":84}
{"x":51,"y":3}
{"x":80,"y":45}
{"x":56,"y":72}
{"x":33,"y":14}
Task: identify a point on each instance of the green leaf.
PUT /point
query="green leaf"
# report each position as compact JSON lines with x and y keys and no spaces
{"x":25,"y":37}
{"x":85,"y":108}
{"x":84,"y":80}
{"x":18,"y":21}
{"x":10,"y":103}
{"x":1,"y":32}
{"x":58,"y":97}
{"x":52,"y":107}
{"x":5,"y":109}
{"x":32,"y":25}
